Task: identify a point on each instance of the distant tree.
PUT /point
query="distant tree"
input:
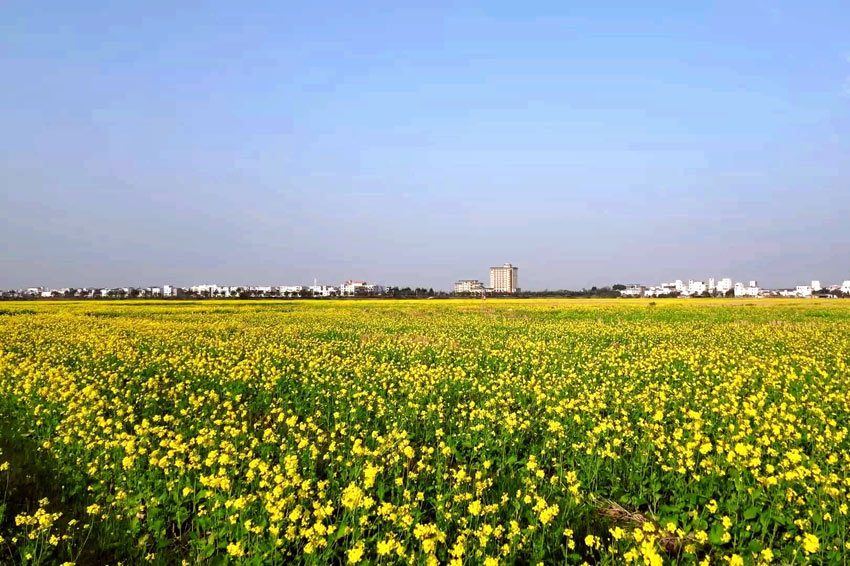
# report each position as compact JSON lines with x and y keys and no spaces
{"x":619,"y":287}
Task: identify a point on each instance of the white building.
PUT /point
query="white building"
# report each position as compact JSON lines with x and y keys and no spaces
{"x":660,"y":291}
{"x":816,"y":285}
{"x":753,"y":289}
{"x":290,"y":290}
{"x":724,"y":286}
{"x":696,"y":287}
{"x":323,"y":290}
{"x":352,"y":288}
{"x":740,"y":290}
{"x":804,"y":291}
{"x":845,"y":287}
{"x":468,"y":287}
{"x":633,"y":290}
{"x":209,"y":290}
{"x":504,"y":279}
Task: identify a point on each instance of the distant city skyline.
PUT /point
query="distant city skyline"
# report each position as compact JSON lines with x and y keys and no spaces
{"x":419,"y":144}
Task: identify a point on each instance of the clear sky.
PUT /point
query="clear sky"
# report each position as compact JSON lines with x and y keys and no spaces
{"x":145,"y":143}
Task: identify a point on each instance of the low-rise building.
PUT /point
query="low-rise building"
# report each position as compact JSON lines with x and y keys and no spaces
{"x":353,"y":288}
{"x":740,"y":290}
{"x":633,"y":290}
{"x":696,"y":288}
{"x":468,"y":287}
{"x":804,"y":291}
{"x":323,"y":291}
{"x":723,"y":286}
{"x":753,"y":289}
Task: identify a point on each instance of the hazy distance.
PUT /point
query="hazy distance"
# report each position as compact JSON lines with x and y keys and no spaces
{"x":250,"y":143}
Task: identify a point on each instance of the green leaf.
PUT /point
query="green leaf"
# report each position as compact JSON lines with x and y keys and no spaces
{"x":715,"y":536}
{"x":751,"y":513}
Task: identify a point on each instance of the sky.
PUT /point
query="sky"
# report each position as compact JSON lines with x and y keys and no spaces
{"x":415,"y":144}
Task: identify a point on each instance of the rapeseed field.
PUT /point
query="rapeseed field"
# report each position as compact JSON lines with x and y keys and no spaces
{"x":425,"y":432}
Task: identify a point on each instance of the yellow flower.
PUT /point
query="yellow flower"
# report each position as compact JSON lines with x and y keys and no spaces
{"x":810,"y":543}
{"x":355,"y":554}
{"x":385,"y":547}
{"x":235,"y":549}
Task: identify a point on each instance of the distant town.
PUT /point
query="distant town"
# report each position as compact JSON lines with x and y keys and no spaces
{"x":504,"y":281}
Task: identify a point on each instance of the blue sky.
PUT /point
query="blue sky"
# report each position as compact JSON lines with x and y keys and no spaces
{"x":274,"y":143}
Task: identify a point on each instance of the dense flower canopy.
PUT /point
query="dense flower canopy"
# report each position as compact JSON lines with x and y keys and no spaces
{"x":456,"y":432}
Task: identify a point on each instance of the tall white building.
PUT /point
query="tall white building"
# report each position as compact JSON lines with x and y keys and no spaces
{"x":504,"y":279}
{"x":724,"y":285}
{"x":816,"y":286}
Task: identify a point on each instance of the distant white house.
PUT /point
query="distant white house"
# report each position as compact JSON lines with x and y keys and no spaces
{"x":804,"y":291}
{"x":352,"y":288}
{"x":468,"y":287}
{"x":633,"y":290}
{"x":696,"y":287}
{"x":323,"y":290}
{"x":659,"y":291}
{"x":724,"y":286}
{"x":753,"y":289}
{"x":740,"y":290}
